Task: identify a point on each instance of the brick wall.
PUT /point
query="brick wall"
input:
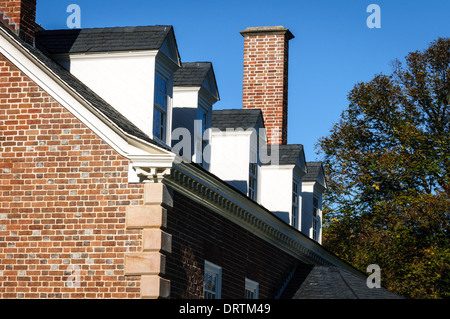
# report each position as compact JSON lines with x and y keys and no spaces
{"x":63,"y":198}
{"x":199,"y":234}
{"x":265,"y":84}
{"x":19,"y":16}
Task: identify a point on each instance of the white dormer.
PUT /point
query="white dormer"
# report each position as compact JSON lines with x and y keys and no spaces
{"x":195,"y":92}
{"x":236,"y":139}
{"x":131,"y":68}
{"x":313,"y":186}
{"x":281,"y":183}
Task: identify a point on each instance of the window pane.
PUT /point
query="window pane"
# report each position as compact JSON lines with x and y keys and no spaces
{"x":252,"y":182}
{"x":211,"y":284}
{"x":158,"y":123}
{"x":315,"y":202}
{"x":160,"y":106}
{"x":164,"y":87}
{"x":251,"y":289}
{"x":204,"y":121}
{"x":162,"y":101}
{"x":315,"y":230}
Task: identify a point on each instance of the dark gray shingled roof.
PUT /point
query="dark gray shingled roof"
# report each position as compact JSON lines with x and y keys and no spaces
{"x":312,"y":171}
{"x":90,"y":96}
{"x":235,"y":118}
{"x":289,"y":154}
{"x":102,"y":39}
{"x":197,"y":74}
{"x":191,"y":73}
{"x":327,"y":282}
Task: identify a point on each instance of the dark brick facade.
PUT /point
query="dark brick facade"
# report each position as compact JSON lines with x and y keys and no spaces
{"x":200,"y":234}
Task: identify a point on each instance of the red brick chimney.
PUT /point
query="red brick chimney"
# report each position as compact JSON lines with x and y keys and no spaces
{"x":266,"y":54}
{"x":19,"y":16}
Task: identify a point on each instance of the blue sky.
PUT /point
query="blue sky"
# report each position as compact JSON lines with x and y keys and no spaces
{"x":333,"y":48}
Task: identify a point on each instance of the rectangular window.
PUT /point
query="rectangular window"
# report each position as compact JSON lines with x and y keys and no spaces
{"x":252,"y":181}
{"x":212,"y":281}
{"x":315,"y":229}
{"x":251,"y":289}
{"x":315,"y":219}
{"x":315,"y":206}
{"x":160,"y":108}
{"x":295,"y":204}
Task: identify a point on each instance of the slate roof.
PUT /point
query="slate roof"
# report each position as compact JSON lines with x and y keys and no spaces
{"x":312,"y":171}
{"x":97,"y":103}
{"x":102,"y":39}
{"x":327,"y":282}
{"x":235,"y":118}
{"x":289,"y":154}
{"x":191,"y":73}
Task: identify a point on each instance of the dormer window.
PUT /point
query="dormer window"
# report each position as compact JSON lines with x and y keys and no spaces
{"x":234,"y":148}
{"x":253,"y":168}
{"x":92,"y":56}
{"x":295,"y":204}
{"x":160,"y":108}
{"x":315,"y":219}
{"x":252,"y":181}
{"x":195,"y":92}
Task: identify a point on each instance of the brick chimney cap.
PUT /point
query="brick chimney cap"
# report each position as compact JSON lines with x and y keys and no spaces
{"x":267,"y":30}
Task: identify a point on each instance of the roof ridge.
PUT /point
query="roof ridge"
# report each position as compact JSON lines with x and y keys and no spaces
{"x":345,"y":282}
{"x":105,"y":28}
{"x":194,"y":62}
{"x":192,"y":73}
{"x":103,"y":39}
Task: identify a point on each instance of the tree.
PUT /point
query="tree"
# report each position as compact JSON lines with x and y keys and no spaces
{"x":387,"y":163}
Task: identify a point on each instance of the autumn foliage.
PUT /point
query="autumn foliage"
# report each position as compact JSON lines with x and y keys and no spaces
{"x":388,"y":170}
